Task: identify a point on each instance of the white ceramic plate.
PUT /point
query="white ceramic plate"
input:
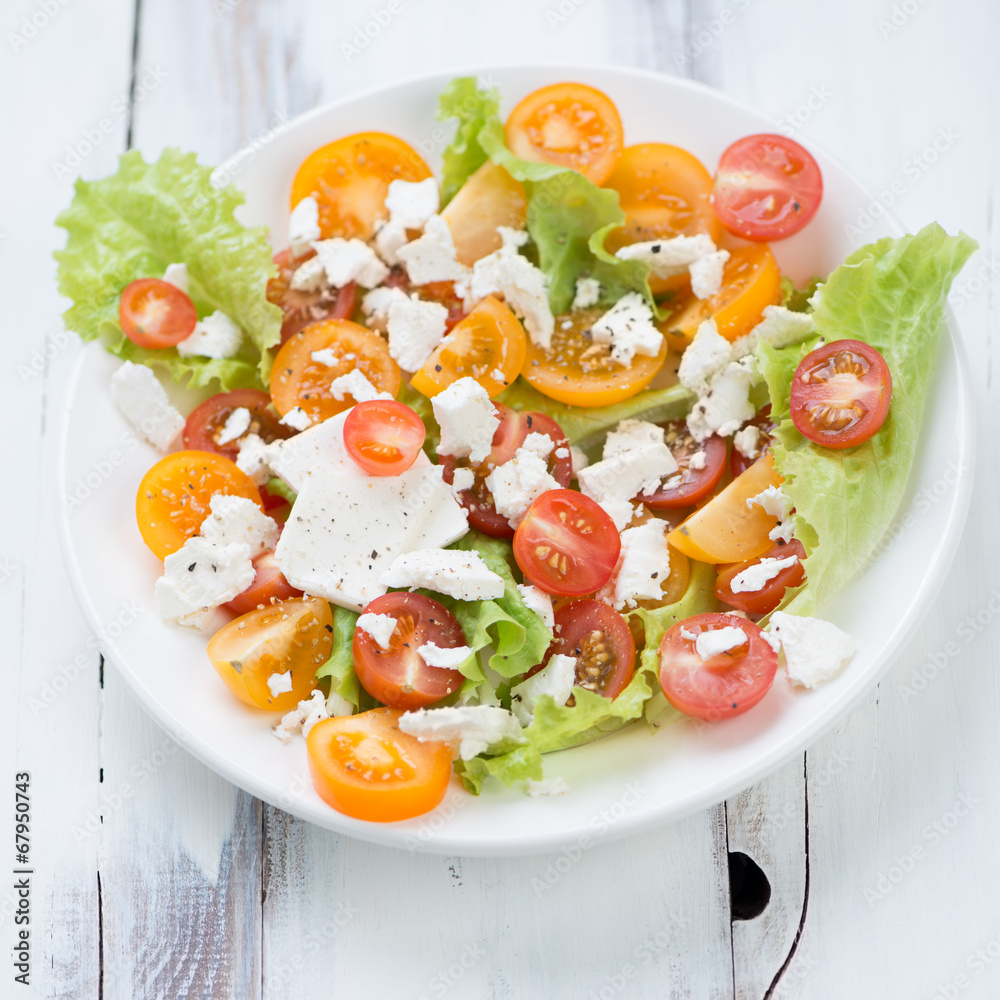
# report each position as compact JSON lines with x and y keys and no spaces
{"x":623,"y":784}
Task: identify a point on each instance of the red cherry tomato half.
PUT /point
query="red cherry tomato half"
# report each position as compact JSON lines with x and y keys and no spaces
{"x":514,"y":427}
{"x":738,"y":462}
{"x":398,"y":676}
{"x":840,"y":394}
{"x":723,"y":685}
{"x":567,"y":544}
{"x":383,"y":436}
{"x":767,"y":188}
{"x":695,"y":484}
{"x":206,"y":424}
{"x":299,"y":309}
{"x":155,"y":314}
{"x":269,"y":584}
{"x":600,"y":640}
{"x":765,"y":600}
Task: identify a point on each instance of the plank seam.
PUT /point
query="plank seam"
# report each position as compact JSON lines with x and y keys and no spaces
{"x":729,"y":885}
{"x":100,"y":939}
{"x":133,"y":74}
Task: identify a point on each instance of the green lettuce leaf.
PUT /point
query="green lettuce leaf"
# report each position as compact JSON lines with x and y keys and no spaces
{"x":890,"y":294}
{"x":797,"y":299}
{"x":516,"y":765}
{"x":280,"y":488}
{"x":473,"y":106}
{"x":148,"y":215}
{"x":340,"y":667}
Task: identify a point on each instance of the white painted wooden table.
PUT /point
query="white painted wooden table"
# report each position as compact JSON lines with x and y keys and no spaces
{"x":154,"y":878}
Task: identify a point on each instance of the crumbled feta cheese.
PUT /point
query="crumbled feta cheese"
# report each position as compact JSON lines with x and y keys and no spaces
{"x":556,"y":679}
{"x":201,"y":575}
{"x":346,"y":529}
{"x":297,"y":418}
{"x":747,"y":441}
{"x":631,"y":434}
{"x":562,"y":453}
{"x":516,"y":484}
{"x":390,"y":237}
{"x":512,"y":239}
{"x":376,"y":304}
{"x":628,"y":328}
{"x":726,"y":407}
{"x":303,"y":225}
{"x":498,"y":376}
{"x":236,"y":425}
{"x":279,"y":683}
{"x":783,"y":531}
{"x":578,"y":459}
{"x":468,"y":420}
{"x":814,"y":649}
{"x":239,"y":520}
{"x":547,"y":786}
{"x":309,"y":276}
{"x":629,"y":473}
{"x":686,"y":633}
{"x":754,"y":577}
{"x":307,"y":713}
{"x":415,"y":329}
{"x":719,"y":640}
{"x":697,"y":461}
{"x":539,"y":444}
{"x":476,"y":728}
{"x":780,"y":327}
{"x":432,"y":256}
{"x":254,"y":458}
{"x":325,"y":357}
{"x":357,"y":385}
{"x":707,"y":354}
{"x":379,"y":627}
{"x":774,"y":501}
{"x":177,"y":275}
{"x":643,"y":566}
{"x":588,"y":293}
{"x":444,"y":657}
{"x":535,"y":599}
{"x":412,"y":203}
{"x":143,"y":401}
{"x":462,"y":575}
{"x":669,"y":257}
{"x":350,"y":260}
{"x":215,"y":336}
{"x":523,"y":285}
{"x":620,"y":510}
{"x":463,"y":479}
{"x":706,"y":274}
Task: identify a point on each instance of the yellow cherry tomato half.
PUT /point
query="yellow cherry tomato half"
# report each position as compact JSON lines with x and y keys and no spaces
{"x":293,"y":636}
{"x":488,"y":345}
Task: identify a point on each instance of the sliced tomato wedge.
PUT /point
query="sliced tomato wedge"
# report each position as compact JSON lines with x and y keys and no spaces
{"x":383,"y":436}
{"x":720,"y":686}
{"x":398,"y":676}
{"x":269,"y":585}
{"x":601,"y":642}
{"x":695,"y":483}
{"x":567,"y":544}
{"x":365,"y":766}
{"x":840,"y":394}
{"x":156,"y":314}
{"x":767,"y":187}
{"x":764,"y":425}
{"x":205,"y":428}
{"x":514,"y":427}
{"x":302,"y":308}
{"x":769,"y":596}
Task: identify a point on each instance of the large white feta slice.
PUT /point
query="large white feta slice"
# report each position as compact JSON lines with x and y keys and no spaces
{"x":556,"y":679}
{"x":432,"y":256}
{"x":814,"y":649}
{"x":350,"y":260}
{"x":524,"y":286}
{"x":143,"y":401}
{"x":707,"y":354}
{"x":755,"y":577}
{"x":535,"y":599}
{"x":668,"y":257}
{"x":346,"y":529}
{"x":706,"y":273}
{"x":201,"y":575}
{"x":416,"y":327}
{"x":237,"y":519}
{"x":719,"y":640}
{"x":518,"y":483}
{"x":628,"y":328}
{"x":468,"y":420}
{"x":588,"y":293}
{"x":379,"y":627}
{"x":643,"y":565}
{"x":459,"y":574}
{"x":726,"y":407}
{"x":215,"y":336}
{"x":303,"y":226}
{"x":177,"y":275}
{"x":780,"y":327}
{"x":412,"y":203}
{"x":476,"y":728}
{"x":443,"y":657}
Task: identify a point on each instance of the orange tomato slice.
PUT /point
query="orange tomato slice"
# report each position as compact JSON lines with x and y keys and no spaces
{"x":174,"y":496}
{"x":488,"y":342}
{"x":750,"y":282}
{"x":294,"y":635}
{"x":298,"y":380}
{"x":727,"y":530}
{"x":570,"y":125}
{"x":366,"y":767}
{"x":489,"y":198}
{"x":577,"y":371}
{"x":350,"y":178}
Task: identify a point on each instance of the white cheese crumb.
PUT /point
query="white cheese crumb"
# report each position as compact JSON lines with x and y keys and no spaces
{"x":350,"y":260}
{"x":588,"y":293}
{"x":236,"y":425}
{"x":518,"y":483}
{"x":463,"y":479}
{"x":747,"y":441}
{"x":540,"y":444}
{"x":754,"y":577}
{"x":390,"y":237}
{"x":547,"y":786}
{"x":814,"y":649}
{"x":620,"y":510}
{"x":444,"y":657}
{"x":177,"y":275}
{"x":143,"y":401}
{"x":215,"y":336}
{"x":629,"y":473}
{"x":279,"y":683}
{"x":535,"y":599}
{"x":379,"y":627}
{"x":356,"y":384}
{"x":412,"y":203}
{"x":432,"y":256}
{"x":727,"y":405}
{"x":307,"y":713}
{"x":297,"y":418}
{"x":254,"y":458}
{"x":783,"y":531}
{"x":376,"y":303}
{"x":706,"y":274}
{"x":720,"y":640}
{"x":468,"y":420}
{"x":629,"y":329}
{"x":707,"y":354}
{"x":780,"y":327}
{"x":631,"y":434}
{"x":669,"y":257}
{"x":239,"y":520}
{"x":697,"y":461}
{"x":325,"y":357}
{"x":415,"y":329}
{"x":498,"y":376}
{"x":303,"y":225}
{"x":556,"y":679}
{"x":462,"y":575}
{"x":644,"y":564}
{"x":579,"y":460}
{"x":686,"y":633}
{"x":773,"y":500}
{"x":201,"y":575}
{"x":562,"y":453}
{"x":475,"y":727}
{"x":309,"y":276}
